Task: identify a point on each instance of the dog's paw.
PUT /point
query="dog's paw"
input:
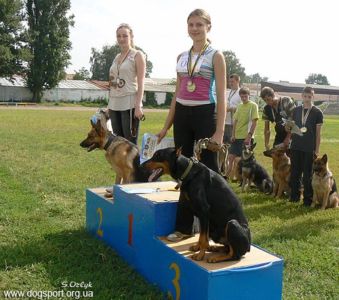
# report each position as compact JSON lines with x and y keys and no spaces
{"x":198,"y":256}
{"x":195,"y":248}
{"x":212,"y":259}
{"x":218,"y":248}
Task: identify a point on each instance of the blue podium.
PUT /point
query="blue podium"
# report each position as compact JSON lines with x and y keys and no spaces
{"x":134,"y":224}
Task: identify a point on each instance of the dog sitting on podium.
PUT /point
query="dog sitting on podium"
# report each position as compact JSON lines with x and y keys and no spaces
{"x":212,"y":201}
{"x":122,"y":154}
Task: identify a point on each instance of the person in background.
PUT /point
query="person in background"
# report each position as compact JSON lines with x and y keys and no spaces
{"x":233,"y":100}
{"x":245,"y":122}
{"x":126,"y":83}
{"x":309,"y":119}
{"x":198,"y":107}
{"x":275,"y":110}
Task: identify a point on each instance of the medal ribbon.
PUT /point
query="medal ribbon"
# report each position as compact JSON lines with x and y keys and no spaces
{"x":278,"y":111}
{"x":119,"y":65}
{"x":190,"y":69}
{"x":304,"y":117}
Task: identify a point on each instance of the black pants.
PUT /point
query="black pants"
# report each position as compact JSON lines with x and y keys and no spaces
{"x":301,"y":167}
{"x":279,"y":138}
{"x":192,"y":123}
{"x":122,"y":126}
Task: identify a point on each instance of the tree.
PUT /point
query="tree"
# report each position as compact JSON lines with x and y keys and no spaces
{"x":314,"y":78}
{"x":13,"y":50}
{"x":254,"y":78}
{"x":82,"y":74}
{"x":233,"y":65}
{"x":101,"y":61}
{"x":48,"y":29}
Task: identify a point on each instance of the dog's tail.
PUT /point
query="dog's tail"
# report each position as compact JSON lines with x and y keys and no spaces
{"x":267,"y":186}
{"x":239,"y":237}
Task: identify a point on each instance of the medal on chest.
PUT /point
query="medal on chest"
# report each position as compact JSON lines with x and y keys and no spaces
{"x":190,"y":87}
{"x":304,"y":117}
{"x":119,"y":82}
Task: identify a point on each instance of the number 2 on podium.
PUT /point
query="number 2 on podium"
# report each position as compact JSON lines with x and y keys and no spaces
{"x":99,"y":230}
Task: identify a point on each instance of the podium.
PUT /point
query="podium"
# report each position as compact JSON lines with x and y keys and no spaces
{"x":135,"y":223}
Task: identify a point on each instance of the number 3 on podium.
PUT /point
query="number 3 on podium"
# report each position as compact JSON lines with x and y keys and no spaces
{"x":175,"y":282}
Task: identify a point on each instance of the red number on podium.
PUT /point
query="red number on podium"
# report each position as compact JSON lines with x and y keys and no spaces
{"x":130,"y":229}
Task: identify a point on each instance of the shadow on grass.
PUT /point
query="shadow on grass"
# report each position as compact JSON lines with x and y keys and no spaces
{"x":74,"y":256}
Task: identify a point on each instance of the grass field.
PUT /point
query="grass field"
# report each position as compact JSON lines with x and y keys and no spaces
{"x":43,"y":243}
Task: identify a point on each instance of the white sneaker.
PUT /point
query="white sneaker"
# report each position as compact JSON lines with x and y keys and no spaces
{"x":177,"y":236}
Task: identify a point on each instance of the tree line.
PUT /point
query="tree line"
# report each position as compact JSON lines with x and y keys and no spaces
{"x":34,"y":43}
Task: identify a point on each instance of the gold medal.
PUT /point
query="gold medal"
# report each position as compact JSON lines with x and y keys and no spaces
{"x":190,"y":69}
{"x":303,"y":129}
{"x":190,"y":86}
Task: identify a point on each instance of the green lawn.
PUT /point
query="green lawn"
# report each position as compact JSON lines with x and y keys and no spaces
{"x":43,"y":243}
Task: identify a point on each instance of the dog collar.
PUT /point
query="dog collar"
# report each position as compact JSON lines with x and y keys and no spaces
{"x":191,"y":162}
{"x":109,"y":141}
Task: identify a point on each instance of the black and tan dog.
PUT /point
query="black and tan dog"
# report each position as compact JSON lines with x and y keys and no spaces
{"x":252,"y":171}
{"x":212,"y":201}
{"x":324,"y":187}
{"x":281,"y":166}
{"x":122,"y":155}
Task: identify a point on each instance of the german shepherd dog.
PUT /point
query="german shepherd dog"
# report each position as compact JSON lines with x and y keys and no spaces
{"x":212,"y":201}
{"x":281,"y":166}
{"x":122,"y":155}
{"x":324,"y":187}
{"x":253,"y":172}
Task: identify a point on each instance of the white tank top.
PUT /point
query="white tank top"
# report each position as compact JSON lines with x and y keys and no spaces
{"x":123,"y":98}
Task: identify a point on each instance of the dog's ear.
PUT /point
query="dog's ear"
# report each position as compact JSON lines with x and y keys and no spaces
{"x":253,"y":146}
{"x":178,"y":151}
{"x":324,"y":158}
{"x":105,"y":113}
{"x":315,"y":156}
{"x":96,"y":126}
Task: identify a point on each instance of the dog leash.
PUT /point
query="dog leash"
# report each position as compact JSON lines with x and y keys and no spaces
{"x":132,"y":125}
{"x":221,"y":150}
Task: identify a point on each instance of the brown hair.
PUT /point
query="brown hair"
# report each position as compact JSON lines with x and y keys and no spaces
{"x":202,"y":14}
{"x":125,"y":25}
{"x":244,"y":91}
{"x":308,"y":90}
{"x":266,"y":91}
{"x":235,"y":76}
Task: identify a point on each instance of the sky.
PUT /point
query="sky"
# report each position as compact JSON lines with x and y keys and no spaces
{"x":279,"y":39}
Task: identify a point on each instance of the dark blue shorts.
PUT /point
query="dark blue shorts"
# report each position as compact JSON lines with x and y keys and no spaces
{"x":236,"y":147}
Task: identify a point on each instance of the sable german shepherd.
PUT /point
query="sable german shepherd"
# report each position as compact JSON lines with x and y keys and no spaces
{"x":122,"y":155}
{"x":281,"y":166}
{"x":324,"y":187}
